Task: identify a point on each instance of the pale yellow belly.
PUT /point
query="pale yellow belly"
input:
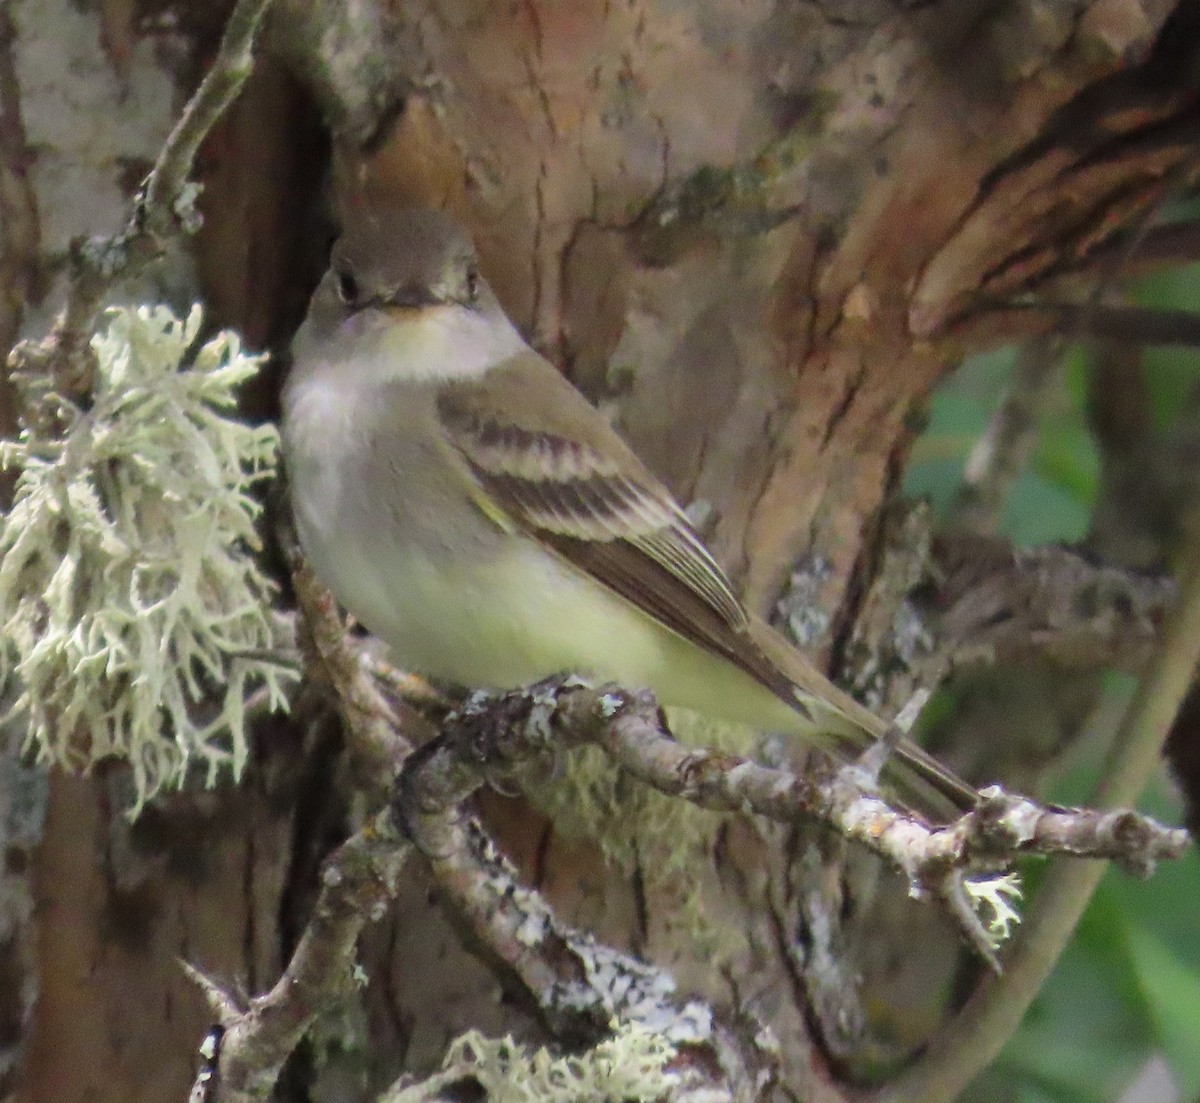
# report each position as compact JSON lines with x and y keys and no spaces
{"x":525,"y":616}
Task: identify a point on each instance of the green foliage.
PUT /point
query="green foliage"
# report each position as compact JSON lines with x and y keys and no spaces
{"x":130,"y":599}
{"x":1128,"y":987}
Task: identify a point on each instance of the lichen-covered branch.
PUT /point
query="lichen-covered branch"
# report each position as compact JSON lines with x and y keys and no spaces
{"x":966,"y":1045}
{"x":357,"y":881}
{"x":585,"y":991}
{"x":993,"y":603}
{"x":491,"y":737}
{"x":959,"y":600}
{"x":579,"y":986}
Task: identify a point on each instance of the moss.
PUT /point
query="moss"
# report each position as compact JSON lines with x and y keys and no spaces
{"x":130,"y":599}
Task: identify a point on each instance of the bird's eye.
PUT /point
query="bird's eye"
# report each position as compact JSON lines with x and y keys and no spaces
{"x":347,"y":287}
{"x":472,"y":283}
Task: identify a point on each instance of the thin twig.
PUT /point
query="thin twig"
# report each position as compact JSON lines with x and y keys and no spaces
{"x":1001,"y":454}
{"x":968,"y":1044}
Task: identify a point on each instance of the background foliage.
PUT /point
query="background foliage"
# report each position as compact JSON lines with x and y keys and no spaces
{"x":1129,"y":985}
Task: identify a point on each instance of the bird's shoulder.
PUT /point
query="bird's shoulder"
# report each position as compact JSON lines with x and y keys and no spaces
{"x":526,"y":403}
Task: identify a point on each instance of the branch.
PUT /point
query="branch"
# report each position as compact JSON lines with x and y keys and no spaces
{"x":993,"y":603}
{"x":960,"y":600}
{"x":580,"y":987}
{"x":971,"y":1041}
{"x":357,"y":881}
{"x":1134,"y":253}
{"x":163,"y":206}
{"x":1003,"y":323}
{"x":493,"y":736}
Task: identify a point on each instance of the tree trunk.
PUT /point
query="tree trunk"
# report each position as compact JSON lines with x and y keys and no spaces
{"x":756,"y":233}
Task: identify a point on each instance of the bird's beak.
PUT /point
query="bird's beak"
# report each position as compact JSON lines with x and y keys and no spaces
{"x":412,"y":298}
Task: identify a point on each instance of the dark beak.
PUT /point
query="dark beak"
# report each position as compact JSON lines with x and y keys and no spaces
{"x":412,"y":297}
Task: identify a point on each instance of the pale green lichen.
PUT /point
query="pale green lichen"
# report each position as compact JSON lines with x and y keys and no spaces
{"x":631,"y":1065}
{"x":134,"y":614}
{"x":991,"y":895}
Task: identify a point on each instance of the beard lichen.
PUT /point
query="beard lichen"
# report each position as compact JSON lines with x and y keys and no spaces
{"x":131,"y":602}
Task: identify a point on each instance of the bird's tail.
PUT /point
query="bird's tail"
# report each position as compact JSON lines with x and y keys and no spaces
{"x":911,"y":775}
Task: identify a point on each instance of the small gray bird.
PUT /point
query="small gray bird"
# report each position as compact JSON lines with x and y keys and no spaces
{"x":472,"y":509}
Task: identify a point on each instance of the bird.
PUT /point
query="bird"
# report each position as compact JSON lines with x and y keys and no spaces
{"x":469,"y":506}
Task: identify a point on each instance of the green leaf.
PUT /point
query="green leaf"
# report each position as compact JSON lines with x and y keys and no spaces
{"x":1043,"y":511}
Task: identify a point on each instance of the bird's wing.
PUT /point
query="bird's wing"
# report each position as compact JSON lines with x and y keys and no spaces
{"x":552,"y":464}
{"x":546,"y":461}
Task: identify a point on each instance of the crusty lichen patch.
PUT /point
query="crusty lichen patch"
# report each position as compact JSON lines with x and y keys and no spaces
{"x":131,"y":603}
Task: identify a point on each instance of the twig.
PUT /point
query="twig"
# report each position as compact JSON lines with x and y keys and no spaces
{"x":1000,"y":455}
{"x":166,"y":200}
{"x":164,"y":205}
{"x":972,"y":1040}
{"x":357,"y":881}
